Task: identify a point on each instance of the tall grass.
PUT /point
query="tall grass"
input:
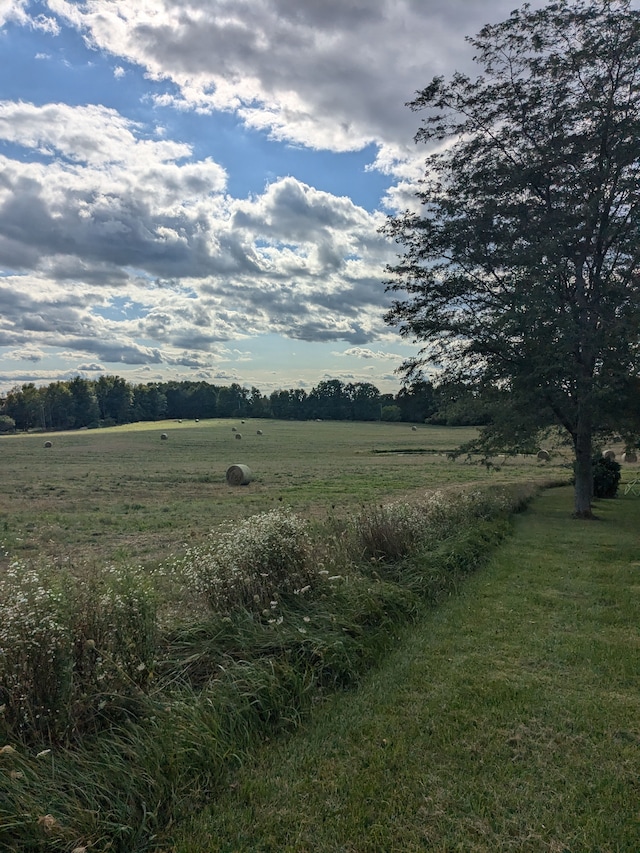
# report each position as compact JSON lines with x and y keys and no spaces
{"x":114,"y":724}
{"x":72,"y":652}
{"x":505,"y":721}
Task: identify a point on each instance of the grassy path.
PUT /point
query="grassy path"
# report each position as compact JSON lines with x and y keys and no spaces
{"x":506,"y":720}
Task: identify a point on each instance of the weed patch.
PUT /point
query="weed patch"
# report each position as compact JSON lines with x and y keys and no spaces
{"x":139,"y":725}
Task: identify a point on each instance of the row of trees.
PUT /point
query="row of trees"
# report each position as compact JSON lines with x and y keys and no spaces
{"x":110,"y":400}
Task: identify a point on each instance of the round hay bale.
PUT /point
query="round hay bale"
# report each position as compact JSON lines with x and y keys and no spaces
{"x":629,"y":456}
{"x":609,"y":454}
{"x":239,"y":475}
{"x":543,"y":456}
{"x":179,"y":420}
{"x":48,"y":444}
{"x":197,"y":420}
{"x":414,"y":428}
{"x":238,"y":435}
{"x":163,"y":436}
{"x":258,"y":432}
{"x":233,"y":429}
{"x":241,"y":422}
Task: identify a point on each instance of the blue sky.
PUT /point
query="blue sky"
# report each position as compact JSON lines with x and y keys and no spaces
{"x":192,"y":189}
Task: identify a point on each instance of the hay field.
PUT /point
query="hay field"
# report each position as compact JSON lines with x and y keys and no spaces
{"x":124,"y":494}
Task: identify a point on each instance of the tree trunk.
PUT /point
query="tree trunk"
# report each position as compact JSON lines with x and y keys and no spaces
{"x":583,"y":470}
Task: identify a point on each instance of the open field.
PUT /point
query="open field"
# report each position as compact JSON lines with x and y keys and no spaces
{"x":130,"y":696}
{"x":123,"y":495}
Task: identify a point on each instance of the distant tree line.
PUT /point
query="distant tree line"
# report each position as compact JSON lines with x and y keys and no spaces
{"x":108,"y":401}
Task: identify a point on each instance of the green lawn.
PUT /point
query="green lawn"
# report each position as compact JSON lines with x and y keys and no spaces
{"x":507,"y":719}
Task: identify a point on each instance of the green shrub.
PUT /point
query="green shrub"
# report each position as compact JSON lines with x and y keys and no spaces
{"x":252,"y":563}
{"x":606,"y":477}
{"x":391,"y":532}
{"x":7,"y":424}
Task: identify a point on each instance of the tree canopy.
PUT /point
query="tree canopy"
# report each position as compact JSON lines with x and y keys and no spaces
{"x":520,"y":266}
{"x":110,"y":400}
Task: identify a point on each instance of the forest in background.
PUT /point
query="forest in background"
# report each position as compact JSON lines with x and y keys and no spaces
{"x":110,"y":401}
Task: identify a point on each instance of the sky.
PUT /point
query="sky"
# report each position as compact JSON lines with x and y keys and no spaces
{"x":193,"y":189}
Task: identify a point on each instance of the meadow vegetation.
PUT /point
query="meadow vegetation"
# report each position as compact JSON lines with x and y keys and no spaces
{"x":121,"y":495}
{"x":504,"y":720}
{"x":131,"y":689}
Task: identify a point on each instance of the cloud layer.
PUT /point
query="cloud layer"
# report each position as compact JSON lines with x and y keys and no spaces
{"x":120,"y":246}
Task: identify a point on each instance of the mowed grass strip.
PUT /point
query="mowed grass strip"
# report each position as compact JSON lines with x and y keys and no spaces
{"x":508,"y":719}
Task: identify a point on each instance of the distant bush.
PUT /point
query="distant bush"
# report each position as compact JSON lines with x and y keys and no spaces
{"x":606,"y":477}
{"x":7,"y":424}
{"x":391,"y":413}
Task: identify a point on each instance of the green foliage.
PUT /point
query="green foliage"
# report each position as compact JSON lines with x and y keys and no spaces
{"x":390,"y":531}
{"x":36,"y":655}
{"x":252,"y":563}
{"x":391,"y":413}
{"x":7,"y":424}
{"x":521,"y":269}
{"x":606,"y":477}
{"x":297,"y":615}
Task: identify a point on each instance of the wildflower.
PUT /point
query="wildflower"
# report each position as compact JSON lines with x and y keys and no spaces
{"x":16,"y":774}
{"x":43,"y":753}
{"x":306,"y":619}
{"x":47,"y":822}
{"x":7,"y":750}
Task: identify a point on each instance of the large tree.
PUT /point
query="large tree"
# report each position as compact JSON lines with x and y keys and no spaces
{"x":520,"y":267}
